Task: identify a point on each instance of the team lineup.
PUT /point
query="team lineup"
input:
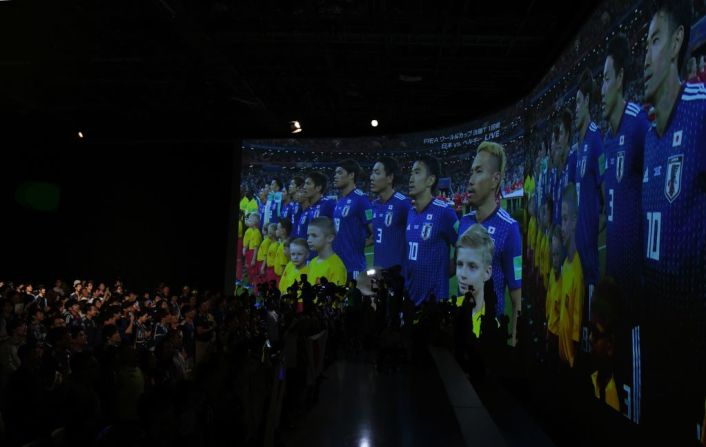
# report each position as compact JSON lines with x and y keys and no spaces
{"x":309,"y":233}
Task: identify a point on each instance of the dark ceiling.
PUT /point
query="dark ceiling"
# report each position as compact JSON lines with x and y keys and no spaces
{"x":178,"y":69}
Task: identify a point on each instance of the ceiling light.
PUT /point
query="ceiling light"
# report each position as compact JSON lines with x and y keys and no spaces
{"x":374,"y":123}
{"x":295,"y":127}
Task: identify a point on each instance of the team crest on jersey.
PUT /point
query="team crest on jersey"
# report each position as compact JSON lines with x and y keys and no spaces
{"x":672,"y":184}
{"x":345,"y":211}
{"x":430,"y":216}
{"x":620,"y":166}
{"x":426,"y":230}
{"x":583,"y":165}
{"x":676,"y":138}
{"x":388,"y":219}
{"x":491,"y":230}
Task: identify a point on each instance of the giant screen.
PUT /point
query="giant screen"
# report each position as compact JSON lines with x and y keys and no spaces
{"x":604,"y":183}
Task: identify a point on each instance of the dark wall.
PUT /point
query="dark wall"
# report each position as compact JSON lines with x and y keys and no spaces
{"x":144,"y":212}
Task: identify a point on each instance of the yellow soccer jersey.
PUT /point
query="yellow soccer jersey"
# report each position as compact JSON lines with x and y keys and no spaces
{"x":280,"y":260}
{"x":545,"y":265}
{"x":255,"y":238}
{"x":529,"y":185}
{"x":331,"y":268}
{"x":252,"y":206}
{"x":262,"y":252}
{"x":532,"y":232}
{"x":290,"y":275}
{"x":246,"y":237}
{"x":272,"y":253}
{"x":478,"y":319}
{"x":611,"y":391}
{"x":538,"y":249}
{"x":571,"y":309}
{"x":244,"y":204}
{"x":553,"y":303}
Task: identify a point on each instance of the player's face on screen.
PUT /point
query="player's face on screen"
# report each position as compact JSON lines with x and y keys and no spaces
{"x":379,"y":181}
{"x":298,"y":255}
{"x":315,"y":238}
{"x":470,"y":270}
{"x":309,"y":190}
{"x":292,"y":188}
{"x":342,"y":178}
{"x":662,"y":52}
{"x":419,"y":180}
{"x":484,"y":178}
{"x":610,"y":88}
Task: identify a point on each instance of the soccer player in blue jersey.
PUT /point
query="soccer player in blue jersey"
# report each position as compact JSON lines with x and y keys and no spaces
{"x":289,"y":204}
{"x":590,"y":165}
{"x":487,"y":173}
{"x":623,"y":144}
{"x":674,"y":228}
{"x":296,"y":205}
{"x":567,"y":173}
{"x":432,"y":228}
{"x":273,"y":206}
{"x":390,"y":212}
{"x":313,"y":191}
{"x":352,"y":218}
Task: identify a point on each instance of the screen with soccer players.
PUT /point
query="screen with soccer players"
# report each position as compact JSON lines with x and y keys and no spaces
{"x":576,"y":217}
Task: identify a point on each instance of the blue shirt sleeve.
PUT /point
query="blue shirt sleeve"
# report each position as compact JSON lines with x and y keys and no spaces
{"x":512,"y":258}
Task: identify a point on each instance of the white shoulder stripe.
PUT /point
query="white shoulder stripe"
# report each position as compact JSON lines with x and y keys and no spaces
{"x":633,"y":108}
{"x":400,"y":196}
{"x":358,"y":191}
{"x":439,"y":202}
{"x":631,"y":112}
{"x":695,"y":86}
{"x":594,"y":127}
{"x":506,"y":219}
{"x":699,"y":91}
{"x":686,"y":97}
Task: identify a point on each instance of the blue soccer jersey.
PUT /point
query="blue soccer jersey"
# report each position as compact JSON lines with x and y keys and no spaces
{"x":429,"y":234}
{"x":351,"y":217}
{"x":286,"y":213}
{"x":299,"y":223}
{"x":624,"y":150}
{"x":507,"y":257}
{"x":674,"y":209}
{"x":389,"y":223}
{"x":273,"y":208}
{"x":590,"y":164}
{"x":571,"y":166}
{"x":322,"y":208}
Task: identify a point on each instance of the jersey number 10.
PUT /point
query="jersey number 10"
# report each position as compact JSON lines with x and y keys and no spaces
{"x":413,"y":249}
{"x":654,"y":224}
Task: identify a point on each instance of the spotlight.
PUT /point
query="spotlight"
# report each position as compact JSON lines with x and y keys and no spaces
{"x":295,"y":127}
{"x":374,"y":123}
{"x":80,"y":134}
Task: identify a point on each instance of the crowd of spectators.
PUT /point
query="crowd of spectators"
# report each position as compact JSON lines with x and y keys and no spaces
{"x":99,"y":364}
